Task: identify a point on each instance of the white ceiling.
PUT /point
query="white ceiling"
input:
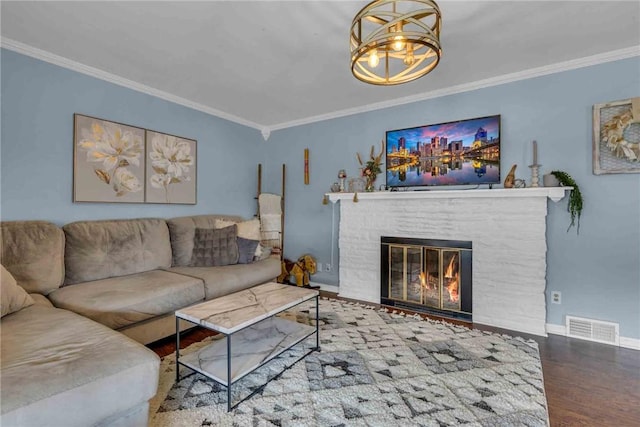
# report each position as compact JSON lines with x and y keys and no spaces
{"x":272,"y":64}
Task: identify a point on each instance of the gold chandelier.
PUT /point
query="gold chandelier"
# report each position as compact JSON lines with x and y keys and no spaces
{"x":395,"y":41}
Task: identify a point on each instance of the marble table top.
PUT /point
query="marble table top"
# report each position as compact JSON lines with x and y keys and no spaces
{"x":236,"y":311}
{"x":250,"y":348}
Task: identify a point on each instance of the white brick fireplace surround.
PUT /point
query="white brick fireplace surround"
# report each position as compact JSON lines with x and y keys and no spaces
{"x":506,"y":227}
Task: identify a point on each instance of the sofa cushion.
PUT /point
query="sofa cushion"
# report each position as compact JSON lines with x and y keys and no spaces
{"x":12,"y":297}
{"x":219,"y":281}
{"x":33,"y":252}
{"x":249,"y":229}
{"x":246,"y":250}
{"x":182,"y":231}
{"x":246,"y":229}
{"x":214,"y":247}
{"x":61,"y":369}
{"x":121,"y":301}
{"x":39,"y":299}
{"x":102,"y":249}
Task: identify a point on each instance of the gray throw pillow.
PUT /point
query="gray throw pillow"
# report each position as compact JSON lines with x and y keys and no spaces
{"x":213,"y":247}
{"x":247,"y":250}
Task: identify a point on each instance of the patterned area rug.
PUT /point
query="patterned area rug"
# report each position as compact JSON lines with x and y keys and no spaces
{"x":376,"y":368}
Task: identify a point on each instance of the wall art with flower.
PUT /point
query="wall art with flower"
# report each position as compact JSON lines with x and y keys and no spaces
{"x":616,"y":137}
{"x":114,"y":162}
{"x":108,"y":162}
{"x":171,"y":169}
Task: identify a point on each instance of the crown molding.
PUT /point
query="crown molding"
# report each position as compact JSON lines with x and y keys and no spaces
{"x":467,"y":87}
{"x":267,"y":130}
{"x":120,"y":81}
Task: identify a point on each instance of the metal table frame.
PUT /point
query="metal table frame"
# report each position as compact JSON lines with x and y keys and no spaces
{"x":229,"y":358}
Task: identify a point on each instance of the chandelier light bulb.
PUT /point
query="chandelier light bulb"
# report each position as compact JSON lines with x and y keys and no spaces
{"x":398,"y":43}
{"x":409,"y":58}
{"x":374,"y":60}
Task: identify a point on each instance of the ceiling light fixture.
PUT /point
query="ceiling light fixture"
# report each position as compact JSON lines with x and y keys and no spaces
{"x":395,"y":41}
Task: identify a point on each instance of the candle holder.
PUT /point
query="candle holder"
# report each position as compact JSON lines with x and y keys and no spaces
{"x":535,"y":178}
{"x":342,"y":176}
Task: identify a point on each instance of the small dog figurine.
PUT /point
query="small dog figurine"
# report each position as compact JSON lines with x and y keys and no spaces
{"x":301,"y":270}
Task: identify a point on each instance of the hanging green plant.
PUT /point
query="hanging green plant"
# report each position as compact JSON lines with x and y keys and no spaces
{"x":574,"y":207}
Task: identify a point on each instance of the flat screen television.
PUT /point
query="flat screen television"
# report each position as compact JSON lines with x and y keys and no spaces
{"x":464,"y":152}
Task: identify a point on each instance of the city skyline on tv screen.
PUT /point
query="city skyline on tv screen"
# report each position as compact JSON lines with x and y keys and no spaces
{"x":454,"y":131}
{"x":453,"y":153}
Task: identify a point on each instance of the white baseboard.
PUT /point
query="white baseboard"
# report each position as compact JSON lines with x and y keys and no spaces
{"x":326,"y":287}
{"x":556,"y":329}
{"x":632,"y":343}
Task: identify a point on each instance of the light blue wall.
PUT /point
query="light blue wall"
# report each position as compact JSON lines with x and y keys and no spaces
{"x":598,"y":271}
{"x":38,"y":103}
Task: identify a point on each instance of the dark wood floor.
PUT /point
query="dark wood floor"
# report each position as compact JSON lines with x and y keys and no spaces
{"x":587,"y":384}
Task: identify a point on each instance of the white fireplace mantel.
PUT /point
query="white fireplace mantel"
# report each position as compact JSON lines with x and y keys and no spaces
{"x":553,"y":193}
{"x":507,"y":228}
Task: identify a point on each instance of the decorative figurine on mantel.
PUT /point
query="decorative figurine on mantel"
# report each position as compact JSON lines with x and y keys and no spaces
{"x":342,"y":176}
{"x":371,"y":168}
{"x":510,"y":180}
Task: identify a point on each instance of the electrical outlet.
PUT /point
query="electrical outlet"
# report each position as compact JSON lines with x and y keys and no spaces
{"x":327,"y":267}
{"x":319,"y":267}
{"x":556,"y":297}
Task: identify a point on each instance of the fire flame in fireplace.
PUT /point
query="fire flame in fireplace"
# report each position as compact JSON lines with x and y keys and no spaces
{"x":423,"y":279}
{"x":454,"y":283}
{"x":453,"y":290}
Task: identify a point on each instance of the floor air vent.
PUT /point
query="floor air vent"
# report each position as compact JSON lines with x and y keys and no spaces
{"x":593,"y":330}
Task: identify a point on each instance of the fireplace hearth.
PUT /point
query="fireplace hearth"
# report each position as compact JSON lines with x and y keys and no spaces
{"x":427,"y":275}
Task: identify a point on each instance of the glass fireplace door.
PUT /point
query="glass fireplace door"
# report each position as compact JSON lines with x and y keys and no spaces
{"x":427,"y":275}
{"x":405,"y":272}
{"x":442,"y":275}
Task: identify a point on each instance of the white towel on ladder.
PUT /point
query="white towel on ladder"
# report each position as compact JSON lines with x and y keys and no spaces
{"x":269,"y":204}
{"x":270,"y":219}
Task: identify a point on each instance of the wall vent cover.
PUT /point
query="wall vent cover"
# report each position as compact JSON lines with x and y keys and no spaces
{"x":593,"y":330}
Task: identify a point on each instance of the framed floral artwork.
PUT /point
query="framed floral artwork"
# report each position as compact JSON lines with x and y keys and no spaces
{"x":108,"y":161}
{"x":171,"y":169}
{"x":616,"y":137}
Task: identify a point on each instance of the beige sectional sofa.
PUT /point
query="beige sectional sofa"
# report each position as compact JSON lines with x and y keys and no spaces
{"x":101,"y":288}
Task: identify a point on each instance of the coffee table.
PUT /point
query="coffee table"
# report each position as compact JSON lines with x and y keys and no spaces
{"x":253,"y":333}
